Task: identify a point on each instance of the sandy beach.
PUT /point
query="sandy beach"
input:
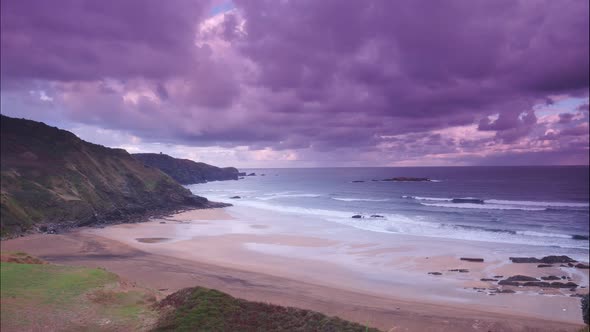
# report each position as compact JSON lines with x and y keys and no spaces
{"x":377,"y":279}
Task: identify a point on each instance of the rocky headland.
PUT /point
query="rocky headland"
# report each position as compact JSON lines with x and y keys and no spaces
{"x":52,"y":180}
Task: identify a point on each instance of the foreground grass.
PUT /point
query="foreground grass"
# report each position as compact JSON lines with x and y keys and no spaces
{"x":37,"y":296}
{"x":53,"y":297}
{"x":202,"y":309}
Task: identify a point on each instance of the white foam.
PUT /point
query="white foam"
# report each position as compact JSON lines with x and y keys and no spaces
{"x":483,"y":206}
{"x":286,"y":195}
{"x":347,"y":199}
{"x":533,"y":203}
{"x":403,"y":225}
{"x":501,"y":202}
{"x":539,"y":234}
{"x":430,"y":198}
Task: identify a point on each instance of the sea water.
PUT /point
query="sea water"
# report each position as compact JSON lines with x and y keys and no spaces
{"x":537,"y":206}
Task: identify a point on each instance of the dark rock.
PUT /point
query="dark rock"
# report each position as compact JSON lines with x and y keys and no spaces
{"x":551,"y":278}
{"x":545,"y":260}
{"x":162,"y":222}
{"x":235,"y":197}
{"x":407,"y":179}
{"x":251,"y":174}
{"x":357,"y":216}
{"x":376,"y":216}
{"x":582,"y":266}
{"x":488,"y":279}
{"x":524,"y":260}
{"x":435,"y":273}
{"x":241,"y":173}
{"x":460,"y":270}
{"x":544,"y":265}
{"x":505,"y":291}
{"x":557,"y":259}
{"x":562,"y":265}
{"x":580,"y":237}
{"x":536,"y":284}
{"x":570,"y":265}
{"x":468,"y":200}
{"x":241,"y":178}
{"x":563,"y":285}
{"x":498,"y":276}
{"x":471,"y":259}
{"x":521,"y":278}
{"x":357,"y":181}
{"x":508,"y":283}
{"x":563,"y":277}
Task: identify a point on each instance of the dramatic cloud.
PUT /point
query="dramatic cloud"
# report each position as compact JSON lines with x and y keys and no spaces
{"x":308,"y":83}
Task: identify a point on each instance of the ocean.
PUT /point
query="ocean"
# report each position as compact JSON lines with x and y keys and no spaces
{"x":537,"y":206}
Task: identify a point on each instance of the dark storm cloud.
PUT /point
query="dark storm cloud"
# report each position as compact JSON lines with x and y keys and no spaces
{"x":319,"y":75}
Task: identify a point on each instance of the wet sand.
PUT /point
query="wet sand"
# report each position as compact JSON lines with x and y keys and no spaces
{"x":259,"y":260}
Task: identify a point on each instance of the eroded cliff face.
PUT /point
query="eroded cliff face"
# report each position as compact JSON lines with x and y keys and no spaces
{"x":52,"y":177}
{"x":186,"y":171}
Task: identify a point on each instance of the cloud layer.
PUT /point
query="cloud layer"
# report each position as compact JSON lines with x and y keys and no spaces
{"x":310,"y":83}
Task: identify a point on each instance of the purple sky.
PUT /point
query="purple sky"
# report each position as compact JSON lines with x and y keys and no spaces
{"x":282,"y":83}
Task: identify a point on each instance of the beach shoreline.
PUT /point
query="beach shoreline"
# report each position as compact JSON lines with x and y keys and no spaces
{"x":258,"y":260}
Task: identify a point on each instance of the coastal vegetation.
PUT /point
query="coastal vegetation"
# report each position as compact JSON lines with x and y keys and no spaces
{"x":51,"y":180}
{"x":186,"y":171}
{"x":37,"y":295}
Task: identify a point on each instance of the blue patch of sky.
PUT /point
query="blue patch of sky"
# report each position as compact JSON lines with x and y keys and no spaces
{"x":569,"y":104}
{"x":221,"y":8}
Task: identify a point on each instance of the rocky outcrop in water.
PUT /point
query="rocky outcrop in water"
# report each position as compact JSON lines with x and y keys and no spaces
{"x":544,"y":260}
{"x":407,"y":179}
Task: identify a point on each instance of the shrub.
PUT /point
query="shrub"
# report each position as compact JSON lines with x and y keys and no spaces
{"x":585,"y":309}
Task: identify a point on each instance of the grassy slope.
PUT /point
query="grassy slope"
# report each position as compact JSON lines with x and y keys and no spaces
{"x":51,"y":176}
{"x":44,"y":296}
{"x":53,"y":297}
{"x":186,"y":171}
{"x":202,"y":309}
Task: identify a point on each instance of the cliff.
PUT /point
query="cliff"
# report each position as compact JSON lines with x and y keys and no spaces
{"x":186,"y":171}
{"x":52,"y":177}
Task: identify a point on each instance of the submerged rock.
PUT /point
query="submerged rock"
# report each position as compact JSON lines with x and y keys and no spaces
{"x":471,"y":259}
{"x":488,"y":279}
{"x":468,"y":200}
{"x":537,"y":284}
{"x":435,"y":273}
{"x":377,"y":216}
{"x":564,"y":285}
{"x":519,"y":277}
{"x":407,"y":179}
{"x":551,"y":278}
{"x":235,"y":197}
{"x":460,"y":270}
{"x":545,"y":260}
{"x":358,"y":181}
{"x":357,"y":216}
{"x":544,"y":265}
{"x":557,"y":259}
{"x":524,"y":260}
